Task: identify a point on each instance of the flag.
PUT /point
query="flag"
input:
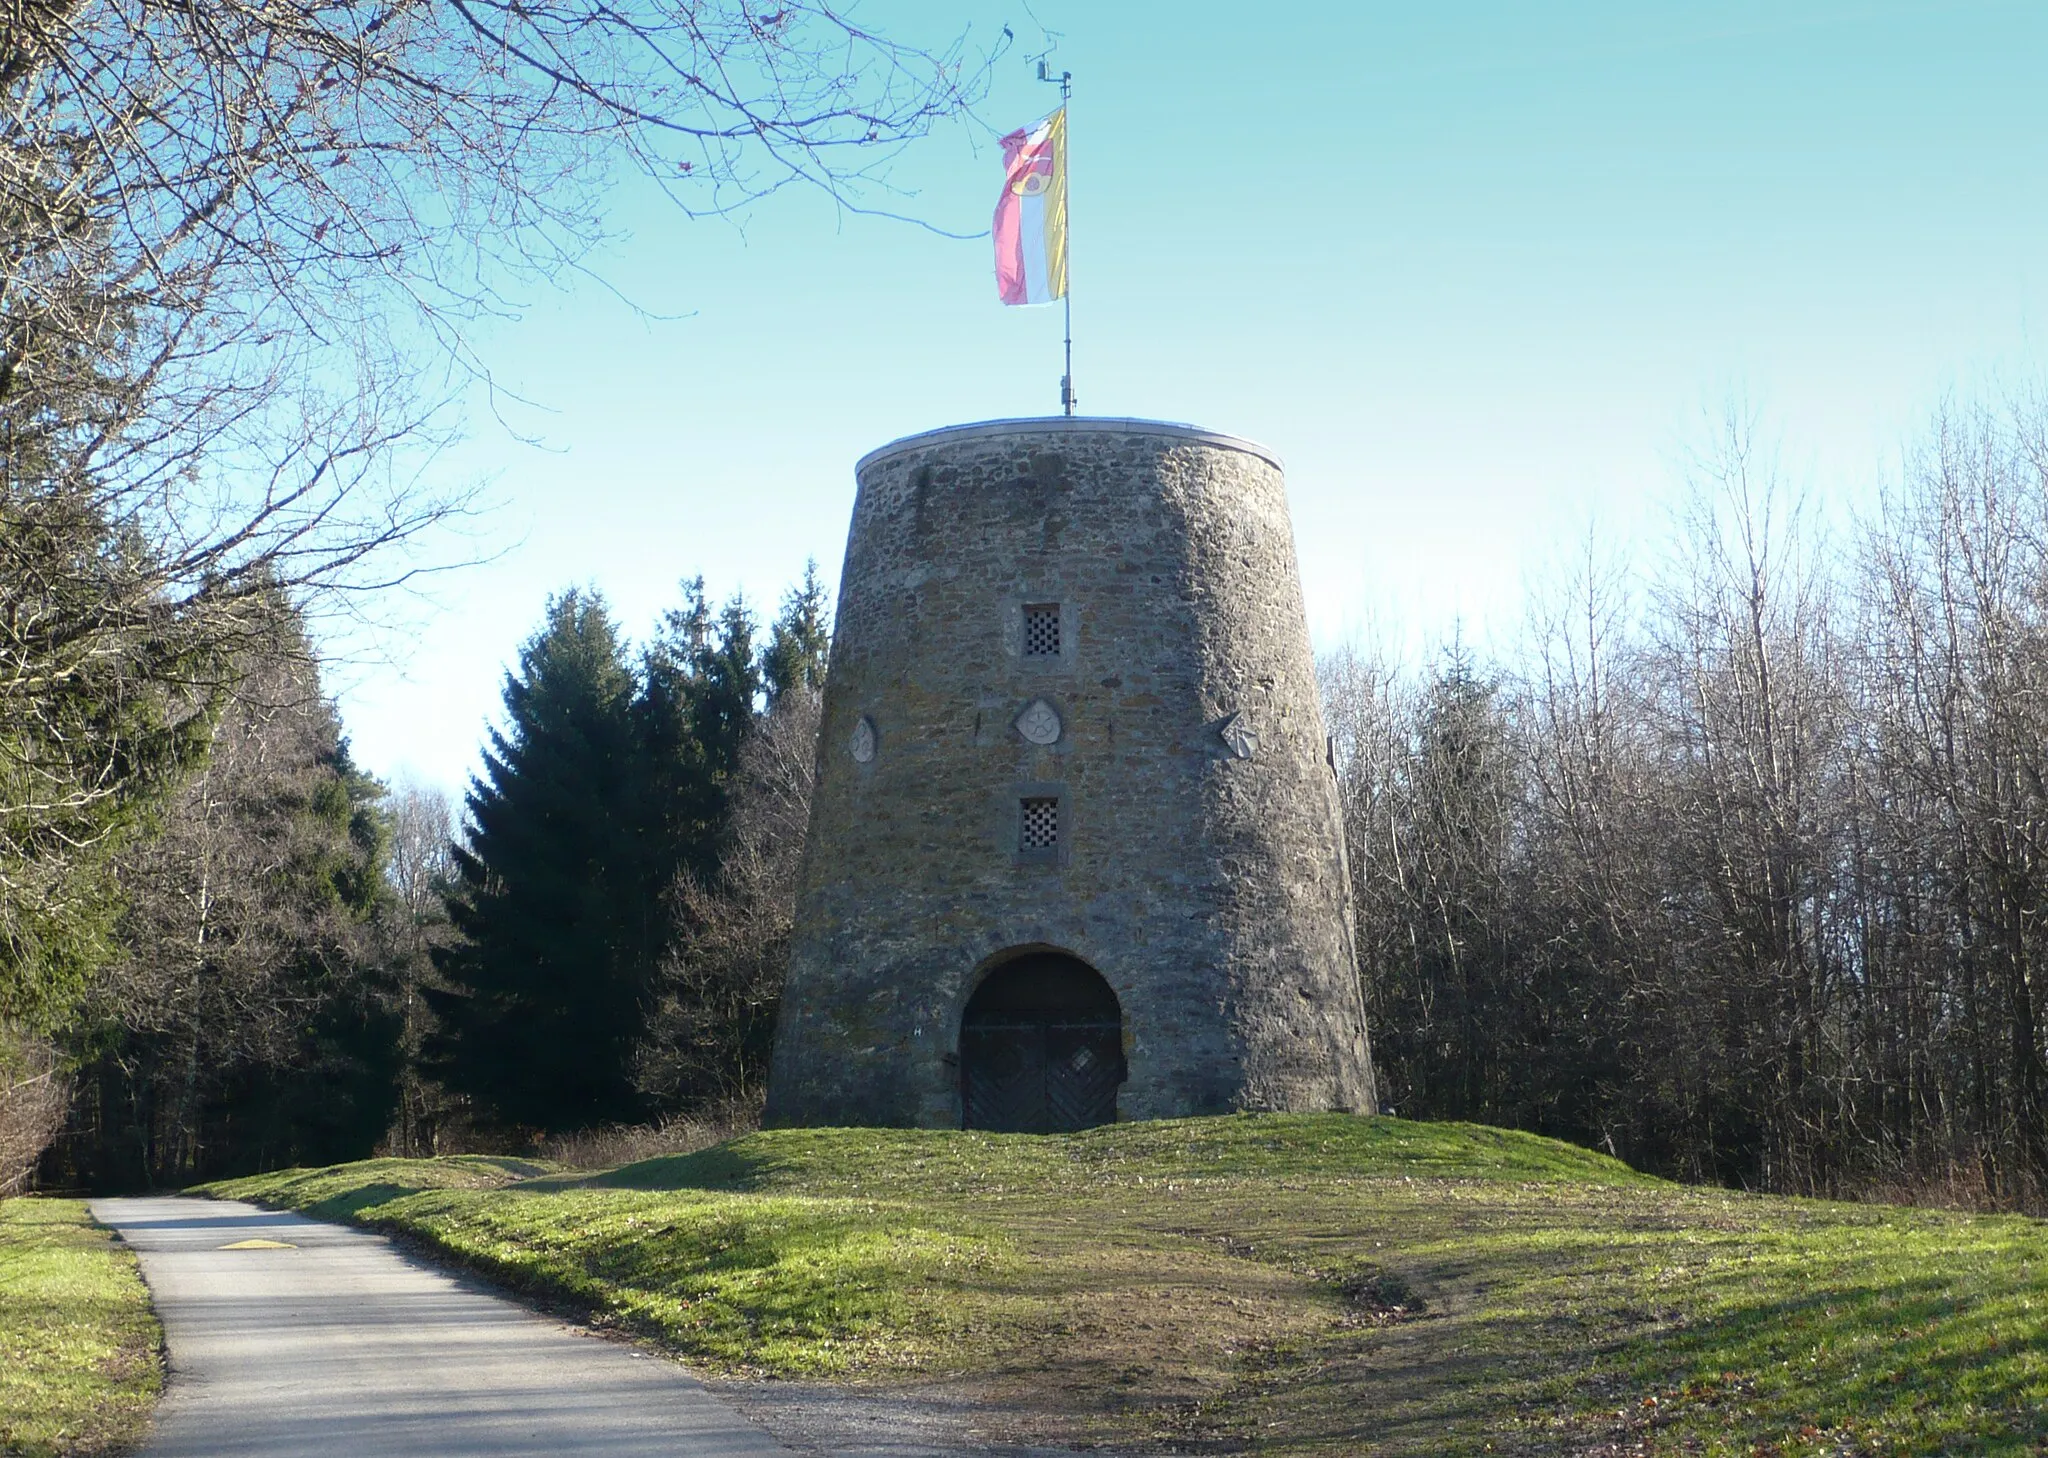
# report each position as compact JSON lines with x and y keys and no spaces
{"x":1031,"y":216}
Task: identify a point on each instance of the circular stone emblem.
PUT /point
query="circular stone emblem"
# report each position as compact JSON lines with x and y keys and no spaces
{"x":1039,"y":723}
{"x":864,"y":740}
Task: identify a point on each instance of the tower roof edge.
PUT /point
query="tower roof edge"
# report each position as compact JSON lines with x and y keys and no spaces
{"x":1056,"y":425}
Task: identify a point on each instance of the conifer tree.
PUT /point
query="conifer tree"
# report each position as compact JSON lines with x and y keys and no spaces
{"x":544,"y":1004}
{"x":699,"y":686}
{"x":696,"y":707}
{"x":798,"y":642}
{"x":606,"y":792}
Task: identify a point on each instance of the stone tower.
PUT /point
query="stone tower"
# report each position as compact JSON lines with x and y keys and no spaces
{"x":1075,"y":854}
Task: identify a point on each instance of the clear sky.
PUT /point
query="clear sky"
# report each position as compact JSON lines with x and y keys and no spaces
{"x":1474,"y":269}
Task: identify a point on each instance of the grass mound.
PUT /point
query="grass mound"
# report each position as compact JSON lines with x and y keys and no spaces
{"x":343,"y":1191}
{"x":1313,"y":1284}
{"x":79,"y":1364}
{"x":910,"y":1163}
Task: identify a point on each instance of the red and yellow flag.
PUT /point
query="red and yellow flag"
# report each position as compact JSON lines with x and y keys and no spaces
{"x":1031,"y":216}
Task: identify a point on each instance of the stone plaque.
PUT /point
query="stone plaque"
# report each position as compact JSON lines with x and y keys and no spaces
{"x":1239,"y":737}
{"x":1039,"y":723}
{"x":864,"y":740}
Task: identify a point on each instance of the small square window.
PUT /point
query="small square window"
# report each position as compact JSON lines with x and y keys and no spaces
{"x":1039,"y":824}
{"x":1042,"y":630}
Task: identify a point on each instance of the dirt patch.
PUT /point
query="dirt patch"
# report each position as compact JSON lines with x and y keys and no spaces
{"x":1126,"y":1350}
{"x":940,"y":1420}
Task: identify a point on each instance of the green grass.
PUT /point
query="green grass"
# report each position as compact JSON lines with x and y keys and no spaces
{"x":79,"y":1347}
{"x":340,"y":1191}
{"x":1300,"y":1284}
{"x":911,"y":1163}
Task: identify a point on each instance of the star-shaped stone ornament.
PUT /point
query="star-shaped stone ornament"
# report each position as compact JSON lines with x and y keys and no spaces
{"x":1039,"y":723}
{"x":1239,"y":737}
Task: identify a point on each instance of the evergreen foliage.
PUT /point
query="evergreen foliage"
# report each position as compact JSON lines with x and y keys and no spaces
{"x":247,"y":1021}
{"x":617,"y":903}
{"x":103,"y":682}
{"x":104,"y":705}
{"x":719,"y":983}
{"x":699,"y":687}
{"x":799,"y":640}
{"x":211,"y":303}
{"x":544,"y":997}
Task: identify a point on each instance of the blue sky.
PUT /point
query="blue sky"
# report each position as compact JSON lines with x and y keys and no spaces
{"x":1477,"y":271}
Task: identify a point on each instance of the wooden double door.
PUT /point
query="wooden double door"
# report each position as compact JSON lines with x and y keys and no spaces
{"x":1041,"y":1048}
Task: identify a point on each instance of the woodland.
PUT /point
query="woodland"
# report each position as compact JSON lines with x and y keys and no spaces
{"x":246,"y":252}
{"x":1731,"y":865}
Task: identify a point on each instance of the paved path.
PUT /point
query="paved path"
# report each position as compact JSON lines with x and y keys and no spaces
{"x":340,"y":1345}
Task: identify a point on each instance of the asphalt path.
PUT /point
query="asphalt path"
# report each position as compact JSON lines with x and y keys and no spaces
{"x":320,"y":1339}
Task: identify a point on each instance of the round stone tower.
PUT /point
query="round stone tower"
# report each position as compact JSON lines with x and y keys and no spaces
{"x":1075,"y":854}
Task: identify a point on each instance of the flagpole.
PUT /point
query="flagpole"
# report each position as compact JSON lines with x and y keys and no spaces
{"x":1067,"y":203}
{"x":1067,"y":379}
{"x":1066,"y":80}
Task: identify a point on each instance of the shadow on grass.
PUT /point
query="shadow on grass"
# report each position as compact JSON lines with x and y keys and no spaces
{"x":339,"y":1192}
{"x":723,"y":1168}
{"x":1868,"y":1347}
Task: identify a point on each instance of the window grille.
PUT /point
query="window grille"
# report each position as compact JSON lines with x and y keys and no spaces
{"x":1042,"y":630}
{"x":1039,"y":825}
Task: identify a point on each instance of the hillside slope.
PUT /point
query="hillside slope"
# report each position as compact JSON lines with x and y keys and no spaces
{"x":1295,"y":1284}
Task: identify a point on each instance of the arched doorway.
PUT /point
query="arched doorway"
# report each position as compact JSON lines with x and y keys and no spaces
{"x":1041,"y":1047}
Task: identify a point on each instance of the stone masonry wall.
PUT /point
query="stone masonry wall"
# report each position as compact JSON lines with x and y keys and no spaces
{"x":1207,"y":888}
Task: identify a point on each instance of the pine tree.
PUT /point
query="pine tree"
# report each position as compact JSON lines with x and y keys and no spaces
{"x":798,"y":642}
{"x":606,"y":793}
{"x":544,"y":1004}
{"x":697,"y":703}
{"x":699,"y":687}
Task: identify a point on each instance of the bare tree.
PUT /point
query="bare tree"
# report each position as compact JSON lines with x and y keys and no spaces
{"x":1592,"y":830}
{"x":421,"y":869}
{"x":1742,"y":871}
{"x":1368,"y":709}
{"x":247,"y":225}
{"x":1750,"y":707}
{"x":33,"y":1095}
{"x":242,"y":236}
{"x":242,"y":246}
{"x":721,"y":983}
{"x":1959,"y":584}
{"x":423,"y":829}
